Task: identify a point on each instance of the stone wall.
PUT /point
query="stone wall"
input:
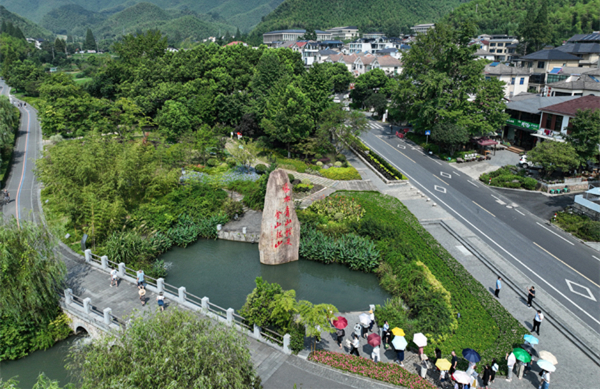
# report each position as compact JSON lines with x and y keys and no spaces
{"x":580,"y":186}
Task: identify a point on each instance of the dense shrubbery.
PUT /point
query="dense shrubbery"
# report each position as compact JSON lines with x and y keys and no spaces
{"x":356,"y":252}
{"x":341,"y":173}
{"x":579,"y":225}
{"x":9,"y":123}
{"x":505,"y":178}
{"x":336,"y":208}
{"x":429,"y":286}
{"x":387,"y":372}
{"x":379,"y":163}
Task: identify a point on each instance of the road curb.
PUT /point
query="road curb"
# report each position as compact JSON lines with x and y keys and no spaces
{"x":553,"y":319}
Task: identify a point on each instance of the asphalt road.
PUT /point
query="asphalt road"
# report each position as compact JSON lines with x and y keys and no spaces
{"x":560,"y":264}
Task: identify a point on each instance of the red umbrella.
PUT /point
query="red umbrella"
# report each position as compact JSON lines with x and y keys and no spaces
{"x":374,"y":340}
{"x":340,"y":323}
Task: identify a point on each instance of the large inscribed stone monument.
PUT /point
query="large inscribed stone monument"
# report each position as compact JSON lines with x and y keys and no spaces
{"x":280,"y":228}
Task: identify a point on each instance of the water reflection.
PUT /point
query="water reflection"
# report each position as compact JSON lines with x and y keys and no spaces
{"x":225,"y":272}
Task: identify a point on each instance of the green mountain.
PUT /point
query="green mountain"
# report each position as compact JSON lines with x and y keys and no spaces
{"x":30,"y":29}
{"x":565,"y":17}
{"x":244,"y":14}
{"x":390,"y":16}
{"x":177,"y":24}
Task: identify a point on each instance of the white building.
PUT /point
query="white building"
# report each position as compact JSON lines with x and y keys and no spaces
{"x":516,"y":79}
{"x":422,"y":28}
{"x":292,"y":35}
{"x":343,"y":33}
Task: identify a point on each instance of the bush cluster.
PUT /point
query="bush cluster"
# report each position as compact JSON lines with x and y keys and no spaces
{"x":387,"y":170}
{"x":505,"y":178}
{"x":303,"y":187}
{"x":341,"y":173}
{"x":356,"y":252}
{"x":338,"y":208}
{"x":579,"y":225}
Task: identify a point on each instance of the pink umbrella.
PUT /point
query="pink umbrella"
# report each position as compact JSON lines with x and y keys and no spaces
{"x":340,"y":323}
{"x":374,"y":340}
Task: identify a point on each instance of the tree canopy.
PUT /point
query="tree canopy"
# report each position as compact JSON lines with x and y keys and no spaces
{"x":554,"y":156}
{"x":585,"y":134}
{"x":170,"y":349}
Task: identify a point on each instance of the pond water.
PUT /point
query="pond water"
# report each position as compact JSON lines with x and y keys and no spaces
{"x":224,"y":271}
{"x":51,"y":362}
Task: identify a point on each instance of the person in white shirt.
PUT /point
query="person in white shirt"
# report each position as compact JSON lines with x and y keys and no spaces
{"x":375,"y":354}
{"x":537,"y":320}
{"x":545,"y":383}
{"x":385,"y":335}
{"x":355,"y":345}
{"x":510,"y":362}
{"x":114,"y":278}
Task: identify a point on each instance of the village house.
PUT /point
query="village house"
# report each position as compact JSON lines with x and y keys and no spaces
{"x":544,"y":62}
{"x":516,"y":79}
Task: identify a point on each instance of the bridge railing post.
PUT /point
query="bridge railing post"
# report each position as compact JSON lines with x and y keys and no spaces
{"x":68,"y":296}
{"x":230,"y":316}
{"x":286,"y":344}
{"x":121,"y":270}
{"x":87,"y":305}
{"x":104,"y":261}
{"x":205,"y":302}
{"x":160,"y":284}
{"x":256,"y":333}
{"x":107,"y":316}
{"x":182,"y":294}
{"x":88,"y":255}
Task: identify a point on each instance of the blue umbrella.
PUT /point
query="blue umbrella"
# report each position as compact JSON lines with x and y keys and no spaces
{"x":531,"y":339}
{"x":471,"y":355}
{"x":399,"y":342}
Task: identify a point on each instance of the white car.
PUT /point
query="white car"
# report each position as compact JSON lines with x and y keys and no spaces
{"x":528,"y":165}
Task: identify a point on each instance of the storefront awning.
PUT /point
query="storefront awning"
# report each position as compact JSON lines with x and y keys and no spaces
{"x":486,"y":142}
{"x":543,"y":136}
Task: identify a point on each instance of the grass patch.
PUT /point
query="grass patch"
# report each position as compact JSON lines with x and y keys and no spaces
{"x":580,"y":226}
{"x":341,"y":173}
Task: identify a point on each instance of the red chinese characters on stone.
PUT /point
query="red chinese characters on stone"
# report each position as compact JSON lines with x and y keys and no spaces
{"x":277,"y":225}
{"x":287,"y":199}
{"x":288,"y":222}
{"x":287,"y":211}
{"x":278,"y":214}
{"x":286,"y":188}
{"x":288,"y":242}
{"x":279,"y":234}
{"x":288,"y":232}
{"x":278,"y":244}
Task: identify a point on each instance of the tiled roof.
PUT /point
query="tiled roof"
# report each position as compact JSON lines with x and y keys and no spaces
{"x":349,"y":59}
{"x":388,"y":61}
{"x":571,"y":107}
{"x":580,"y":48}
{"x":553,"y":54}
{"x":533,"y":104}
{"x":503,"y":69}
{"x":593,"y":37}
{"x":584,"y":82}
{"x":367,"y":59}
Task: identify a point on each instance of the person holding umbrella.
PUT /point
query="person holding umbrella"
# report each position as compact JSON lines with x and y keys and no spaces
{"x":510,"y":362}
{"x":444,"y":365}
{"x":339,"y":324}
{"x":399,"y":344}
{"x":421,"y":341}
{"x":473,"y":357}
{"x":375,"y":340}
{"x":523,"y":357}
{"x":365,"y":321}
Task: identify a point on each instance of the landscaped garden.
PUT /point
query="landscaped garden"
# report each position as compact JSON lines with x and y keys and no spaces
{"x":433,"y":293}
{"x":376,"y":161}
{"x":509,"y":177}
{"x":579,"y":225}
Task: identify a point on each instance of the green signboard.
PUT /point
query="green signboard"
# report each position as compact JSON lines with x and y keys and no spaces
{"x":523,"y":124}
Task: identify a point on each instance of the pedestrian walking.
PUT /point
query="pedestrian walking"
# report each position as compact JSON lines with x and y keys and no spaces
{"x":487,"y":374}
{"x":355,"y":345}
{"x":140,"y":279}
{"x":375,"y":355}
{"x":537,"y":320}
{"x":545,"y":382}
{"x":471,"y":368}
{"x":454,"y":362}
{"x":495,"y":369}
{"x":340,"y":333}
{"x":142,"y":293}
{"x":385,"y":335}
{"x":424,"y":366}
{"x":498,"y":286}
{"x":400,"y":357}
{"x":372,"y":317}
{"x":530,"y":296}
{"x":6,"y":196}
{"x":114,"y":278}
{"x":510,"y":363}
{"x":160,"y":299}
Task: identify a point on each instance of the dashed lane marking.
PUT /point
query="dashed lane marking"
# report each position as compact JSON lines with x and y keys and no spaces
{"x":483,"y":208}
{"x":564,"y":263}
{"x":596,"y":257}
{"x":457,"y":175}
{"x":549,"y":230}
{"x":438,"y":162}
{"x":441,"y":180}
{"x":472,"y":183}
{"x":519,"y":211}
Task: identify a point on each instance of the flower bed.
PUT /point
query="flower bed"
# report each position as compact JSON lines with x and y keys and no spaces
{"x":376,"y":161}
{"x":386,"y":372}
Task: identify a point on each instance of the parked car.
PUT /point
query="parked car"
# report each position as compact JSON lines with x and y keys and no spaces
{"x":528,"y":165}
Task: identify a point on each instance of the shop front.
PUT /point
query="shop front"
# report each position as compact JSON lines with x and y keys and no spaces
{"x":520,"y":133}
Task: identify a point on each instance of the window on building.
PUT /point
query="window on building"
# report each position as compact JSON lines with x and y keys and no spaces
{"x":558,"y":123}
{"x":492,"y":50}
{"x":492,"y":44}
{"x":522,"y":81}
{"x":512,"y":81}
{"x":500,"y":44}
{"x":548,"y":121}
{"x":541,"y":65}
{"x":529,"y":64}
{"x":556,"y":77}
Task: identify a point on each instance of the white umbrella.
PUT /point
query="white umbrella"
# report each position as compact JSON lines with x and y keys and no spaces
{"x":364,"y":319}
{"x":420,"y":340}
{"x":548,"y":356}
{"x":399,"y":343}
{"x":546,"y":365}
{"x":462,"y":377}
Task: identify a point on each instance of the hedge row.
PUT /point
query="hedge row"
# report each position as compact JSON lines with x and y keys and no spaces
{"x":375,"y":159}
{"x":340,"y":173}
{"x":484,"y":324}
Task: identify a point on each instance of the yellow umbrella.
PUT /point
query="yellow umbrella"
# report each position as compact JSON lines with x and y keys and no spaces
{"x":443,"y":364}
{"x":398,"y":331}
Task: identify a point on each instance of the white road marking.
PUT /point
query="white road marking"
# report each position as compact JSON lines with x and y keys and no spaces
{"x":402,"y":147}
{"x":596,"y":257}
{"x":509,"y":207}
{"x":457,"y":175}
{"x":441,"y":180}
{"x":499,"y":246}
{"x":588,"y":295}
{"x":519,"y":211}
{"x":483,"y":208}
{"x":463,"y":250}
{"x":472,"y":183}
{"x":438,"y":162}
{"x":439,"y":188}
{"x":549,"y":230}
{"x":444,"y":174}
{"x":564,"y":263}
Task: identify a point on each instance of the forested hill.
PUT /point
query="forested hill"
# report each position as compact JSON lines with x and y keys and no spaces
{"x":565,"y":17}
{"x":29,"y":29}
{"x":389,"y":16}
{"x":177,"y":24}
{"x":244,"y":14}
